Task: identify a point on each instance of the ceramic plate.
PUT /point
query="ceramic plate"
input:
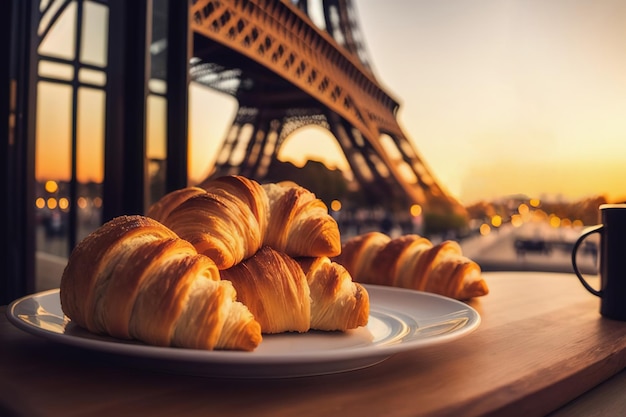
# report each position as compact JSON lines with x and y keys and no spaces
{"x":400,"y":320}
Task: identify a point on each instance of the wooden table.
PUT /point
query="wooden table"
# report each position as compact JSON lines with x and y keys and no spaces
{"x":541,"y":344}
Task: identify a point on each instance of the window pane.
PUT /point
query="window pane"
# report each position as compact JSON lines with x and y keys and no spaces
{"x":54,"y":106}
{"x":56,"y":70}
{"x":95,"y":34}
{"x":60,"y":40}
{"x":92,"y":77}
{"x":90,"y":159}
{"x":156,"y":147}
{"x":90,"y":165}
{"x":52,"y":166}
{"x":210,"y":117}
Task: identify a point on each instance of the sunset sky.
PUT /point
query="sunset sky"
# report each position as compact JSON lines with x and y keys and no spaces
{"x":504,"y":96}
{"x":508,"y":96}
{"x":498,"y":96}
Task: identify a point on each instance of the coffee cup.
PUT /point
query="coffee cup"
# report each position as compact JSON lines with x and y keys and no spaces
{"x":612,"y":260}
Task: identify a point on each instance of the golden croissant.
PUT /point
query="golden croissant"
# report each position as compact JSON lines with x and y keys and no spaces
{"x":134,"y":278}
{"x":413,"y":262}
{"x":337,"y":303}
{"x":299,"y":223}
{"x":230,"y":218}
{"x":226,"y":220}
{"x":289,"y":295}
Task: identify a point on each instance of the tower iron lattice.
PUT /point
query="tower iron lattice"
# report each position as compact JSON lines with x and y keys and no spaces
{"x":287,"y":72}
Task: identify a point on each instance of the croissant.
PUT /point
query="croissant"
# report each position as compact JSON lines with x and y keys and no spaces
{"x":229,"y":218}
{"x":225,"y":221}
{"x":162,"y":208}
{"x":273,"y":286}
{"x":413,"y":262}
{"x":134,"y":278}
{"x":337,"y":303}
{"x":297,"y":295}
{"x":299,"y":223}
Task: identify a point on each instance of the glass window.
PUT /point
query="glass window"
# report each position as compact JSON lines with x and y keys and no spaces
{"x":95,"y":34}
{"x":53,"y":133}
{"x":90,"y":148}
{"x":53,"y":167}
{"x":61,"y":37}
{"x":92,"y":77}
{"x":56,"y":70}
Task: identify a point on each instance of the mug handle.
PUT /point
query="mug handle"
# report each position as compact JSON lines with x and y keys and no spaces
{"x":586,"y":233}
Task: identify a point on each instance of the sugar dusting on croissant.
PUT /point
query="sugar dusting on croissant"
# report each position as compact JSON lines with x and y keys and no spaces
{"x":134,"y":278}
{"x":413,"y":262}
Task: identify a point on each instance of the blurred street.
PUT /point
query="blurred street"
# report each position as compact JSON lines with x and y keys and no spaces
{"x":551,"y":253}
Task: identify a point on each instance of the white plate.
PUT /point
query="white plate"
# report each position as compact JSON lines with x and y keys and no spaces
{"x":400,"y":320}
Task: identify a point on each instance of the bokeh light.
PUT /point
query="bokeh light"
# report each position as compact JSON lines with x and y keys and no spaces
{"x":52,"y":203}
{"x":516,"y":220}
{"x":51,"y":186}
{"x":496,"y":220}
{"x":555,"y":221}
{"x":81,"y":202}
{"x":523,"y":209}
{"x":64,"y":203}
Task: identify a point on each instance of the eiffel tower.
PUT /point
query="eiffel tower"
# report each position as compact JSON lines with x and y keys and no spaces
{"x":286,"y":73}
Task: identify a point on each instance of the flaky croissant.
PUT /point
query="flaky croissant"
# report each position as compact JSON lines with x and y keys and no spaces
{"x":229,"y":218}
{"x":337,"y":303}
{"x":413,"y":262}
{"x":286,"y":294}
{"x":225,"y":221}
{"x":299,"y":223}
{"x":273,"y":286}
{"x":162,"y":208}
{"x":134,"y":278}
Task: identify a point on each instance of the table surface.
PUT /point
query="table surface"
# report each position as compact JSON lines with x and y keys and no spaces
{"x":540,"y":346}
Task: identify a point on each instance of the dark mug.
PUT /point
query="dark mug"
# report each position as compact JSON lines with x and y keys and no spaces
{"x":612,"y":268}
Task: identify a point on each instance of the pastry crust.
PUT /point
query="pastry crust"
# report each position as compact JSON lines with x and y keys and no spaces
{"x":219,"y":227}
{"x":337,"y":303}
{"x":299,"y":223}
{"x":230,"y":218}
{"x":224,"y":218}
{"x":358,"y":254}
{"x":413,"y":262}
{"x":160,"y":210}
{"x":133,"y":278}
{"x":298,"y":295}
{"x":273,"y":286}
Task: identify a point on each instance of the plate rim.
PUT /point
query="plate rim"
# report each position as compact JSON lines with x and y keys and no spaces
{"x":375,"y":353}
